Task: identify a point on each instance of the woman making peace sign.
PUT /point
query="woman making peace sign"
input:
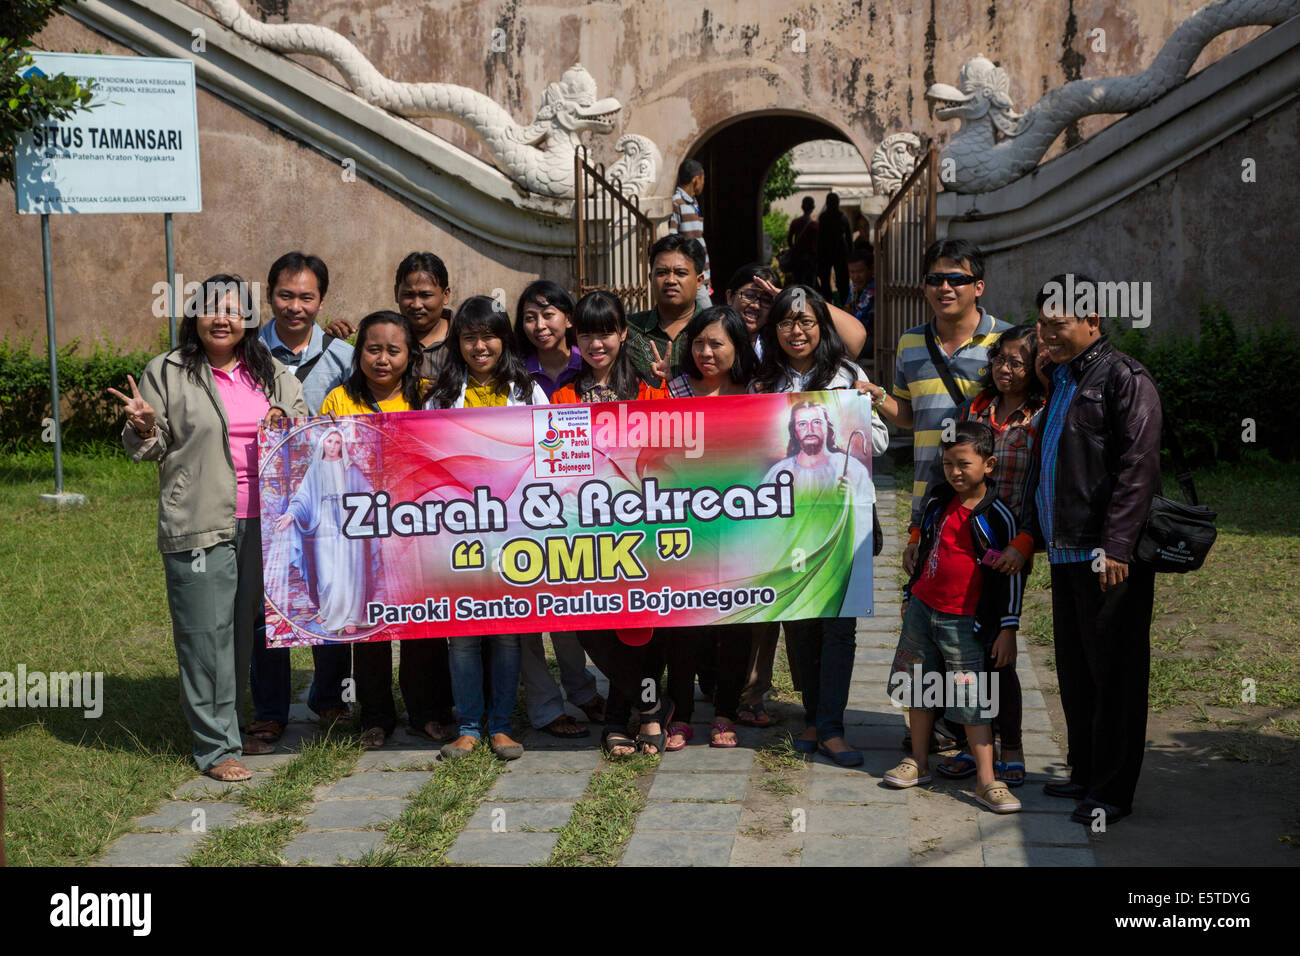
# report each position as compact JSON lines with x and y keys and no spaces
{"x":196,"y":412}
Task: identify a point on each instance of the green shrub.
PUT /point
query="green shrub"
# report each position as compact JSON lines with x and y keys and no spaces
{"x":776,"y":224}
{"x":1215,"y":385}
{"x":90,"y":416}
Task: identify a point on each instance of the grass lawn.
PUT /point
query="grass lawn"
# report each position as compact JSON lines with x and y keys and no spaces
{"x":84,"y":592}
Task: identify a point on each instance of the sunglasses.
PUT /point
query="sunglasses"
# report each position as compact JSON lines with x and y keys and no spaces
{"x":953,"y":279}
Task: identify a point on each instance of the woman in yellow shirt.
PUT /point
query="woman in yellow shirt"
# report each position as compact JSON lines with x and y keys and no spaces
{"x":386,"y":378}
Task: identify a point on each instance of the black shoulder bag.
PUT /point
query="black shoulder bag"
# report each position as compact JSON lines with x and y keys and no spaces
{"x":304,"y":369}
{"x":941,"y":365}
{"x":1176,"y":537}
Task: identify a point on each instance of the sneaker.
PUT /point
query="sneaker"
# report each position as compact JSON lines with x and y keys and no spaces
{"x":906,"y":774}
{"x":997,"y":797}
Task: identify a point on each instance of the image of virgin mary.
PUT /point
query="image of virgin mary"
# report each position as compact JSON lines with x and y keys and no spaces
{"x":340,"y":573}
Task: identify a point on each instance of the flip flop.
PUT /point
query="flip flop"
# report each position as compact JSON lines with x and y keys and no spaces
{"x":966,"y":767}
{"x":719,"y":728}
{"x":999,"y":768}
{"x":577,"y":731}
{"x":756,"y":716}
{"x":687,"y":734}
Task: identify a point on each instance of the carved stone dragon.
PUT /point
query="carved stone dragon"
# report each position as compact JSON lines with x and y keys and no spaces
{"x":539,"y":156}
{"x":995,"y":145}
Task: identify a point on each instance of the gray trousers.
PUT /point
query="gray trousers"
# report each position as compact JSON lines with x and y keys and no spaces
{"x":214,"y":597}
{"x":542,"y":697}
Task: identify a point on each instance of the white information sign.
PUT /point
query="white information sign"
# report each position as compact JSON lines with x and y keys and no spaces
{"x":137,"y":151}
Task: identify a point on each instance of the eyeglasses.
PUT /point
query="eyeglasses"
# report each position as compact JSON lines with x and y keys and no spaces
{"x":805,"y":325}
{"x":954,"y":279}
{"x":1014,"y":364}
{"x":751,"y":296}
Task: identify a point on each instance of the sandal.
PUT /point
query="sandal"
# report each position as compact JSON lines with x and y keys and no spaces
{"x":997,"y":797}
{"x":957,"y":768}
{"x":682,"y":730}
{"x":906,"y":774}
{"x":268,"y":730}
{"x":566,"y":727}
{"x":594,"y":709}
{"x":719,"y":728}
{"x":755,"y":715}
{"x":333,"y":715}
{"x":663,"y":716}
{"x":613,"y":737}
{"x":373,"y":738}
{"x":255,"y":748}
{"x":1001,"y":768}
{"x":229,"y":770}
{"x":440,"y":734}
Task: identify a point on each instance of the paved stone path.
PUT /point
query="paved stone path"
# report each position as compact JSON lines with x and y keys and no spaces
{"x":705,"y":806}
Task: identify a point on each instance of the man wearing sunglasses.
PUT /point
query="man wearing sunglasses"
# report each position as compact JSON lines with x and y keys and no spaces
{"x":940,"y":364}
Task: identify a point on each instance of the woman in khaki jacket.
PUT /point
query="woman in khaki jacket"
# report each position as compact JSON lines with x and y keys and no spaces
{"x":196,"y":412}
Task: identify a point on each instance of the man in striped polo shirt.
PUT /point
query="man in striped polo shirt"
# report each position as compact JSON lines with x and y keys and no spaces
{"x":687,"y":220}
{"x":962,"y":333}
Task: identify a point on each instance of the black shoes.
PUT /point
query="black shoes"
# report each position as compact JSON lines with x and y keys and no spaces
{"x":1063,"y":788}
{"x":1086,"y":812}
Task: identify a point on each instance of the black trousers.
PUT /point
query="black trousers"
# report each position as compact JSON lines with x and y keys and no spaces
{"x":1103,"y":665}
{"x":628,"y":668}
{"x":423,"y":675}
{"x":727,"y":645}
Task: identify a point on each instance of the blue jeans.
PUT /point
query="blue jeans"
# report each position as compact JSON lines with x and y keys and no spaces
{"x":466,"y":660}
{"x":824,"y":648}
{"x":944,"y":652}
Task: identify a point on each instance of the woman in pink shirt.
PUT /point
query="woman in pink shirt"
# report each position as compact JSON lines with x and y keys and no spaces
{"x":196,"y":412}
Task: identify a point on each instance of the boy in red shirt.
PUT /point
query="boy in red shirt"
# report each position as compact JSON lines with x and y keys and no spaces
{"x":952,"y":606}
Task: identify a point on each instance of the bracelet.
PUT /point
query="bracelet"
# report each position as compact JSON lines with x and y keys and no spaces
{"x":883,"y":395}
{"x":145,"y":435}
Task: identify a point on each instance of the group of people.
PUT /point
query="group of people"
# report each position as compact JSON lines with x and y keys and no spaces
{"x":1021,"y":471}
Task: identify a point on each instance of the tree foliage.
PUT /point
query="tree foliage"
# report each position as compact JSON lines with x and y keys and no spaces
{"x":26,"y":98}
{"x":780,"y":181}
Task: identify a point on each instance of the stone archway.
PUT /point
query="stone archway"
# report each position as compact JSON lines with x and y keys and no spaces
{"x":737,"y":157}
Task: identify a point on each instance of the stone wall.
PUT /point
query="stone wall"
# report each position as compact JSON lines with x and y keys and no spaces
{"x":1197,"y":232}
{"x":683,"y":71}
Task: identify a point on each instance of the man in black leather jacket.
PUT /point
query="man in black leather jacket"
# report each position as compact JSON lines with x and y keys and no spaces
{"x":1098,"y":468}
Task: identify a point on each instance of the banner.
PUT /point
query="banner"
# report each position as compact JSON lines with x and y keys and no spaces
{"x":567,"y":517}
{"x":137,"y":150}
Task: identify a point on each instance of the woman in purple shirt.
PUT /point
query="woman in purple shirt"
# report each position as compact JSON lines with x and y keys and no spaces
{"x":544,"y":330}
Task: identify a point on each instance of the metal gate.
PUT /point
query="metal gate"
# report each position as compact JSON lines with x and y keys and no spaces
{"x":612,"y":236}
{"x":903,"y":232}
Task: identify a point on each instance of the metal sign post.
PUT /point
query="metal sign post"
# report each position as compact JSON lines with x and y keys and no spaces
{"x":59,"y":498}
{"x":171,"y":278}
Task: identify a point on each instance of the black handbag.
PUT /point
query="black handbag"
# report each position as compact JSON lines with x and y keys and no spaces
{"x":1177,"y":537}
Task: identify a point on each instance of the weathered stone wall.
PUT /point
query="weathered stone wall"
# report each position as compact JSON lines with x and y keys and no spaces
{"x":682,"y":70}
{"x":263,"y":194}
{"x":1198,"y":232}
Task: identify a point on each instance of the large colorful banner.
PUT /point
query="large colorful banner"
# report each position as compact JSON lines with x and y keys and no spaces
{"x":567,"y":517}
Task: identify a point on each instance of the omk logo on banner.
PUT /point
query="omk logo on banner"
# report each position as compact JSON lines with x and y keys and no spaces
{"x":562,"y":442}
{"x":76,"y":909}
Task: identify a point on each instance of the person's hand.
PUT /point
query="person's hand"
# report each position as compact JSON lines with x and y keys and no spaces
{"x":340,"y":328}
{"x":1010,"y":562}
{"x":909,"y":556}
{"x":273,"y":416}
{"x":139,"y":413}
{"x":283,"y":521}
{"x":842,"y":484}
{"x":662,"y":363}
{"x":769,"y":288}
{"x":1112,"y":574}
{"x":1041,"y":362}
{"x":1004,"y":648}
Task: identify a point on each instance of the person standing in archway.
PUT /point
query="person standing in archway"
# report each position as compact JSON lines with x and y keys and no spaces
{"x":687,"y":220}
{"x":833,"y":233}
{"x":802,"y":239}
